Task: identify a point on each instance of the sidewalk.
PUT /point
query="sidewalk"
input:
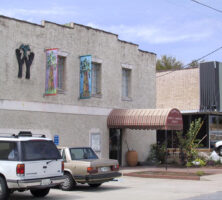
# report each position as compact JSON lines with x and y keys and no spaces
{"x":215,"y":172}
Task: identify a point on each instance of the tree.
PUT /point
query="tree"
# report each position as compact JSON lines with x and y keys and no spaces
{"x":168,"y":62}
{"x":188,"y":143}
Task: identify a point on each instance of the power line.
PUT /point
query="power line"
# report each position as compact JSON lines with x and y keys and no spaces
{"x":215,"y":9}
{"x":185,"y":66}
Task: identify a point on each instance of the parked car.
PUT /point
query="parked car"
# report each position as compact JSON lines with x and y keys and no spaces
{"x":82,"y":165}
{"x":29,"y":163}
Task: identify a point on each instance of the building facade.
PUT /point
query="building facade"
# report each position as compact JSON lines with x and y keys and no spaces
{"x":64,"y":80}
{"x":196,"y":92}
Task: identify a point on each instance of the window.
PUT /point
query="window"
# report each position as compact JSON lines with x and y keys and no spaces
{"x":8,"y":151}
{"x":40,"y":150}
{"x":96,"y":79}
{"x":126,"y":83}
{"x":61,"y":74}
{"x":82,"y":154}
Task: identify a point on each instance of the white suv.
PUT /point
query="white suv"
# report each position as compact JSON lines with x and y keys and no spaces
{"x":29,"y":163}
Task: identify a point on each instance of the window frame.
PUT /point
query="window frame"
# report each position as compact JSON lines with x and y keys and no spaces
{"x":61,"y":90}
{"x":127,"y":83}
{"x":96,"y":82}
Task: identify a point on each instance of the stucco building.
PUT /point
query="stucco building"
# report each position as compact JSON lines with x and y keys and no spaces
{"x":64,"y":80}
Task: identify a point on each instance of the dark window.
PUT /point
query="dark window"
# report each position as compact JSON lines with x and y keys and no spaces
{"x":39,"y":150}
{"x":8,"y":151}
{"x":82,"y":154}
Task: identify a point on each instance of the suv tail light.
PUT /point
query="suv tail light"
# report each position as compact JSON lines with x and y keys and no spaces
{"x":92,"y":170}
{"x":115,"y":167}
{"x":20,"y":169}
{"x":62,"y":166}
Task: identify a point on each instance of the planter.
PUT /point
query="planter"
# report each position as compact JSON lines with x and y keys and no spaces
{"x":132,"y":158}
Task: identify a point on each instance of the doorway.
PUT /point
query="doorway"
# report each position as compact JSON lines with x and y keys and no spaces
{"x":115,"y":144}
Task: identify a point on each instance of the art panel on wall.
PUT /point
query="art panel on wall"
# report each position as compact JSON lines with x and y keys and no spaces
{"x":51,"y":71}
{"x":85,"y":76}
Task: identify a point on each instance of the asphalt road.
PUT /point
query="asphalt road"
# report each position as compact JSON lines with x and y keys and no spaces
{"x":132,"y":188}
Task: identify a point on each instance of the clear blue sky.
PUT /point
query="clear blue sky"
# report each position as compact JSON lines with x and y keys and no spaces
{"x":179,"y":28}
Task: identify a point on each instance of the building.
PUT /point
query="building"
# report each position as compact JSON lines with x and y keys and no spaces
{"x":64,"y":80}
{"x":197,"y":93}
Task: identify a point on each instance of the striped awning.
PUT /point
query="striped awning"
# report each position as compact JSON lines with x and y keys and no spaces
{"x":155,"y":119}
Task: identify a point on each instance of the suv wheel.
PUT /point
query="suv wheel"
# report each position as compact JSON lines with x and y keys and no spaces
{"x":4,"y":191}
{"x":69,"y":182}
{"x":95,"y":185}
{"x":40,"y":192}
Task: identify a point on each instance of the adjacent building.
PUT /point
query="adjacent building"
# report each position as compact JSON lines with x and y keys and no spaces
{"x":64,"y":80}
{"x":197,"y":93}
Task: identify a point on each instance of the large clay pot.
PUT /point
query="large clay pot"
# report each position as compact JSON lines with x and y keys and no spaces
{"x":132,"y":158}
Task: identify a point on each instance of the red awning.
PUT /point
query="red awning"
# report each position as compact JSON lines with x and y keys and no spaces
{"x":155,"y":119}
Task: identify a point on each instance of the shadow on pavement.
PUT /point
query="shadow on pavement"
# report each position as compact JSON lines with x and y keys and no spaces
{"x":211,"y":196}
{"x":50,"y":196}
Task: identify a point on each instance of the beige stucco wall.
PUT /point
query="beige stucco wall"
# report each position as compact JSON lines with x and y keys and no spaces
{"x":23,"y":104}
{"x":75,"y":42}
{"x":178,"y":89}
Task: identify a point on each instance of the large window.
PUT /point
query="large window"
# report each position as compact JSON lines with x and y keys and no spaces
{"x":126,"y":83}
{"x":61,"y":74}
{"x":96,"y":79}
{"x":215,"y":128}
{"x":40,"y":150}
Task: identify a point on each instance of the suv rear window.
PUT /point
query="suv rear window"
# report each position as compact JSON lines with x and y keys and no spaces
{"x":8,"y":150}
{"x":39,"y":150}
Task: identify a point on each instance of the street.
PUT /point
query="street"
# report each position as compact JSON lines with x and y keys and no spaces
{"x":132,"y":188}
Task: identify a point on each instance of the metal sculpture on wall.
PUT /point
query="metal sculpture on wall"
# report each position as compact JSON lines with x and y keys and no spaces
{"x":24,"y":54}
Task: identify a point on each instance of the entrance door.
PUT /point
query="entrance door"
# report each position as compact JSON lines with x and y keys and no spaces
{"x":115,"y":144}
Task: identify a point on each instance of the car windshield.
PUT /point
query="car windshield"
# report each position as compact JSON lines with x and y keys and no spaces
{"x":40,"y":150}
{"x":82,"y":153}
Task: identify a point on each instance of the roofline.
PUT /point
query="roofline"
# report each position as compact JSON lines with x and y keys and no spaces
{"x":42,"y":25}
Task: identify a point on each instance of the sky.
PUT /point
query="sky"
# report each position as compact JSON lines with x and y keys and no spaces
{"x":179,"y":28}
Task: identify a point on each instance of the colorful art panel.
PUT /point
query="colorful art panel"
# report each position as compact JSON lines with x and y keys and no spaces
{"x":85,"y":76}
{"x":51,"y":71}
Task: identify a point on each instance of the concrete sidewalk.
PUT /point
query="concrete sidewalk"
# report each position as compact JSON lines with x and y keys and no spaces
{"x":216,"y":172}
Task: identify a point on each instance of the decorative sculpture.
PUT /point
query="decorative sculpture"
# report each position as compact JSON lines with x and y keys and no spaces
{"x":24,"y":54}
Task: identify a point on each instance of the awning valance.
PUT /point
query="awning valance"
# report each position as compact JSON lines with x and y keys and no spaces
{"x":155,"y":119}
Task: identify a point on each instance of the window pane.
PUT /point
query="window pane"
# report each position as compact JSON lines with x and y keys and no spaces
{"x":96,"y":78}
{"x":40,"y":150}
{"x":60,"y":76}
{"x":82,"y":154}
{"x":8,"y":151}
{"x":125,"y":82}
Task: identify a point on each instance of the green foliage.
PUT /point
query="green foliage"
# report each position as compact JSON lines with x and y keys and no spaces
{"x":157,"y":154}
{"x":188,"y":143}
{"x":168,"y":62}
{"x":200,"y":173}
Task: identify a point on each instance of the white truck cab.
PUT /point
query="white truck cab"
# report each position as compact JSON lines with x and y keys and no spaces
{"x":29,"y":162}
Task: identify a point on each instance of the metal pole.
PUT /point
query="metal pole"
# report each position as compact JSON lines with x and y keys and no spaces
{"x":166,"y":155}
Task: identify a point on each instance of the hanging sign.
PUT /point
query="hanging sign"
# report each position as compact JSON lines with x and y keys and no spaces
{"x":85,"y":76}
{"x":51,"y":71}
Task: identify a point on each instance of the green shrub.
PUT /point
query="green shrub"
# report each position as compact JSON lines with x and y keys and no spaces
{"x":200,"y":173}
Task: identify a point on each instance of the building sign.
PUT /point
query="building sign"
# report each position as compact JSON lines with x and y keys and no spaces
{"x":96,"y":142}
{"x":56,"y":139}
{"x":51,"y":71}
{"x":85,"y":76}
{"x":24,"y":55}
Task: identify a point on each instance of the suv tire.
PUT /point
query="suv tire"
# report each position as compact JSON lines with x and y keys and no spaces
{"x":69,"y":182}
{"x":4,"y":191}
{"x":40,"y":192}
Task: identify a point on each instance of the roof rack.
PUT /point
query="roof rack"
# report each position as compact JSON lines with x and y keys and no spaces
{"x":22,"y":134}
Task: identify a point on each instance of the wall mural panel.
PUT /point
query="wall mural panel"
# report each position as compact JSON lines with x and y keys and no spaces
{"x":51,"y":71}
{"x":85,"y":76}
